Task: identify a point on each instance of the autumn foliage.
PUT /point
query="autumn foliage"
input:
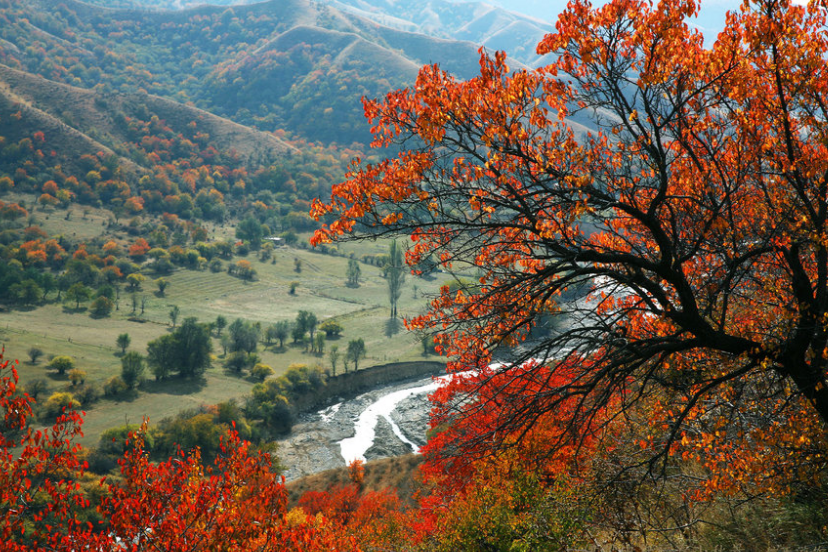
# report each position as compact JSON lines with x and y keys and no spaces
{"x":647,"y":218}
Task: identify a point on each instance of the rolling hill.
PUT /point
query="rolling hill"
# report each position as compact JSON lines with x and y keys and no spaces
{"x":293,"y":65}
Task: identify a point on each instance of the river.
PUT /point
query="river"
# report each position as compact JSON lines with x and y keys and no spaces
{"x":384,"y":422}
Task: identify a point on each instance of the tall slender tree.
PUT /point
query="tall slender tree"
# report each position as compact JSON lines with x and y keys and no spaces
{"x":395,"y":274}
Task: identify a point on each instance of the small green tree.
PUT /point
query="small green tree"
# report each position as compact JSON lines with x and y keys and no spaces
{"x":34,"y":354}
{"x":174,"y":312}
{"x":78,"y":293}
{"x":319,"y":343}
{"x":356,"y":351}
{"x":333,"y":357}
{"x":62,"y":364}
{"x":132,"y":369}
{"x":353,"y":273}
{"x":221,"y":323}
{"x":395,"y":273}
{"x":244,"y":335}
{"x":123,"y":342}
{"x":186,"y":351}
{"x":307,"y":321}
{"x":27,"y":292}
{"x":236,"y":362}
{"x":162,"y":284}
{"x":101,"y":307}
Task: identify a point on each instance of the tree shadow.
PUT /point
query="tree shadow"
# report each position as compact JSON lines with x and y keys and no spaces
{"x":393,"y":326}
{"x":68,"y":309}
{"x":174,"y":385}
{"x":127,"y":396}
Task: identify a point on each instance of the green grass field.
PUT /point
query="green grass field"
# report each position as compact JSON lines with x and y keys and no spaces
{"x":363,"y":311}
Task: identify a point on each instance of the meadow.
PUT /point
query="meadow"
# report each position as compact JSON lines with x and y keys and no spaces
{"x":59,"y":329}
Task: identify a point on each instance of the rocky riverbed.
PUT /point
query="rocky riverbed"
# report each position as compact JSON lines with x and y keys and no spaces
{"x":313,"y":445}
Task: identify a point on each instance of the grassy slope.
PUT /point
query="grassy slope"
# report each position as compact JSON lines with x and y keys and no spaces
{"x":399,"y":473}
{"x":59,"y":330}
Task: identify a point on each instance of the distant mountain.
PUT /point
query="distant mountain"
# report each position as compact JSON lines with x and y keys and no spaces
{"x":477,"y":22}
{"x":295,"y":65}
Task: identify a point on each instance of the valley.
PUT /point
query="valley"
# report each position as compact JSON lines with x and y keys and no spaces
{"x":241,"y":242}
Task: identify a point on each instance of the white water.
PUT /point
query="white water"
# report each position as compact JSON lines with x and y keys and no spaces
{"x":328,"y":414}
{"x":354,"y":448}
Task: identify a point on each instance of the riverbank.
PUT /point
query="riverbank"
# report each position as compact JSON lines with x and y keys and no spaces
{"x":313,"y":445}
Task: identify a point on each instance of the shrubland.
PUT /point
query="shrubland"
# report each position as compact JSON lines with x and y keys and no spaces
{"x":678,"y":395}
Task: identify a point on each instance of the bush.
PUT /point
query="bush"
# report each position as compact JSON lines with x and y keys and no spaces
{"x":331,"y":327}
{"x":77,"y":376}
{"x":62,"y":364}
{"x":236,"y":361}
{"x":261,"y":371}
{"x":115,"y":386}
{"x":59,"y":401}
{"x":87,"y":394}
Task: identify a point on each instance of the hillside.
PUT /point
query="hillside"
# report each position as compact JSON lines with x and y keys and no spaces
{"x":296,"y":65}
{"x":78,"y":121}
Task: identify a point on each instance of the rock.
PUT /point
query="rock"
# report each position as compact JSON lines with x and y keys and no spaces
{"x":313,"y":445}
{"x":386,"y":444}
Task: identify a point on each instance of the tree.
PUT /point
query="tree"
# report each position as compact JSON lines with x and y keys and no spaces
{"x":306,"y":321}
{"x":62,"y":363}
{"x":186,"y":351}
{"x":161,"y":355}
{"x":319,"y":344}
{"x":77,"y":376}
{"x":26,"y":292}
{"x":680,"y":240}
{"x":249,"y":229}
{"x":261,"y":371}
{"x":135,"y":280}
{"x":162,"y":284}
{"x":333,"y":356}
{"x":101,"y":307}
{"x":281,"y":330}
{"x":221,"y":323}
{"x":123,"y":340}
{"x":353,"y":273}
{"x":78,"y":293}
{"x":395,"y":274}
{"x":132,"y":368}
{"x":174,"y":312}
{"x":331,"y":327}
{"x":195,"y":347}
{"x":356,"y":351}
{"x":165,"y":506}
{"x":34,"y":354}
{"x":244,"y":335}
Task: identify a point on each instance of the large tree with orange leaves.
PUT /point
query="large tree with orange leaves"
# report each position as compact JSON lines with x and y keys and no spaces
{"x":666,"y":202}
